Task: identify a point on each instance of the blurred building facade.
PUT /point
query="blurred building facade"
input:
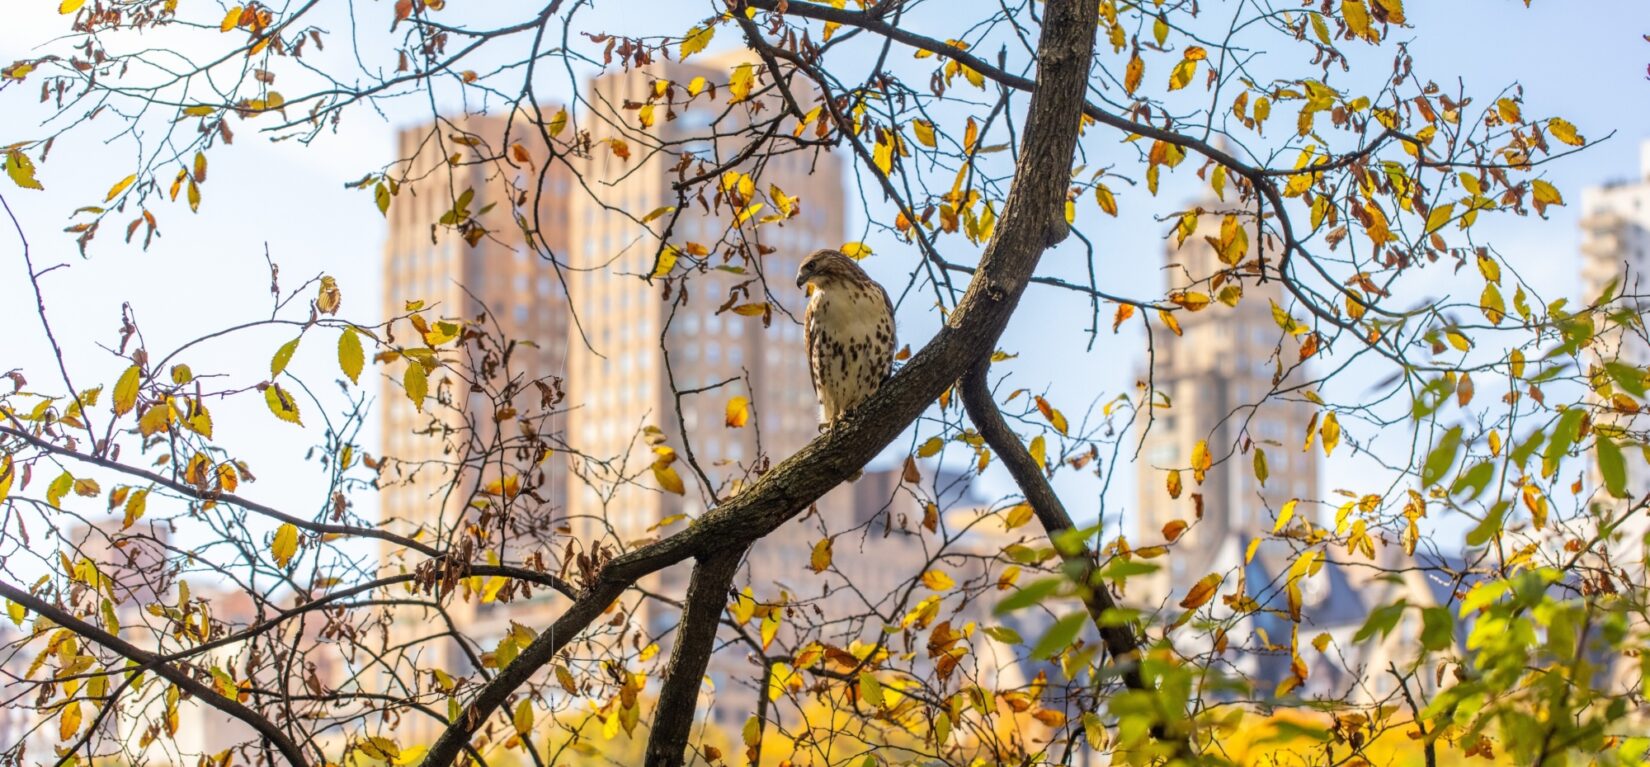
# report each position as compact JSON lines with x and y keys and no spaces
{"x":1224,"y":381}
{"x":1615,"y":252}
{"x":503,"y":282}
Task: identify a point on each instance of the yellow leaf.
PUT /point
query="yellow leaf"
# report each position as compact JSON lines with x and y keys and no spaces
{"x":1106,"y":201}
{"x":1135,"y":72}
{"x":1564,"y":131}
{"x":738,"y":412}
{"x":522,"y":718}
{"x":7,"y":474}
{"x":328,"y":298}
{"x":1491,"y":304}
{"x":68,"y":723}
{"x":925,"y":133}
{"x":856,"y":250}
{"x":1545,"y":194}
{"x":1173,"y":482}
{"x":136,"y":505}
{"x":1201,"y":592}
{"x":416,"y":383}
{"x":1018,"y":515}
{"x":1439,"y":216}
{"x":21,"y":170}
{"x":937,"y":580}
{"x":1331,"y":431}
{"x":1039,"y":451}
{"x":667,"y":261}
{"x":696,"y":40}
{"x":1357,"y":19}
{"x":930,"y":447}
{"x":668,"y":479}
{"x":69,"y":6}
{"x":743,"y":607}
{"x":1201,"y":460}
{"x":283,"y":356}
{"x":1182,"y":74}
{"x":1170,"y":320}
{"x":231,"y":19}
{"x":285,"y":545}
{"x":350,"y":357}
{"x":1285,"y":514}
{"x":280,"y":403}
{"x":820,"y":559}
{"x":558,"y":122}
{"x":120,"y":186}
{"x":739,"y":83}
{"x":126,"y":390}
{"x":507,"y":486}
{"x":883,"y":156}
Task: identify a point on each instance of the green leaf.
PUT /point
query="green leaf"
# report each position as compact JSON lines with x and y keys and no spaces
{"x":1442,"y":457}
{"x":1558,"y":445}
{"x":1491,"y":525}
{"x":1437,"y":628}
{"x":283,"y":356}
{"x":1629,"y":378}
{"x":1059,"y":636}
{"x":870,"y":690}
{"x":1475,"y":479}
{"x":1033,"y":593}
{"x":1382,"y":621}
{"x":1004,"y":634}
{"x":1612,"y":467}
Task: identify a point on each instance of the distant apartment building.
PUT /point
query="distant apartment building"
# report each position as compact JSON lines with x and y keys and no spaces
{"x":1224,"y":381}
{"x":1615,"y":250}
{"x":656,"y":343}
{"x":510,"y":284}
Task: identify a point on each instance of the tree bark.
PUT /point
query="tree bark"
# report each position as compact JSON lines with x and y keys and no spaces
{"x":674,"y":714}
{"x":1121,"y":642}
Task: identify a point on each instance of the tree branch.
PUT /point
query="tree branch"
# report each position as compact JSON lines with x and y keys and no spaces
{"x":274,"y":735}
{"x":674,"y":714}
{"x":1120,"y":639}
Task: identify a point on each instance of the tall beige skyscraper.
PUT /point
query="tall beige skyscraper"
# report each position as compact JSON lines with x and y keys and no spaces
{"x":1615,"y":248}
{"x":513,"y":289}
{"x":625,"y":380}
{"x":1218,"y":382}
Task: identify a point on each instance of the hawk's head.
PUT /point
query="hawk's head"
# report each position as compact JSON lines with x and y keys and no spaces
{"x":827,"y":268}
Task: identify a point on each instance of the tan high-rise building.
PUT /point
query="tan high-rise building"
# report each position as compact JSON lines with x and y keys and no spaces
{"x":1218,"y":381}
{"x":624,"y":380}
{"x":511,"y":285}
{"x":1615,"y":249}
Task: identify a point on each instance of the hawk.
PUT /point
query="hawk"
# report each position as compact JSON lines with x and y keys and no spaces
{"x":849,"y":329}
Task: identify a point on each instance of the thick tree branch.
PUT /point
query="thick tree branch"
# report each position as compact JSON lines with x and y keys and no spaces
{"x":1120,"y":639}
{"x":1033,"y":218}
{"x":701,"y":614}
{"x":274,"y":735}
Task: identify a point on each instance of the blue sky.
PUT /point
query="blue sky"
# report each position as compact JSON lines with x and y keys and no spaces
{"x":209,"y":269}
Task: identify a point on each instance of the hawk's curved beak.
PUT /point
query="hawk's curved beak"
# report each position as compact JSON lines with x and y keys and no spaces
{"x":802,"y":280}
